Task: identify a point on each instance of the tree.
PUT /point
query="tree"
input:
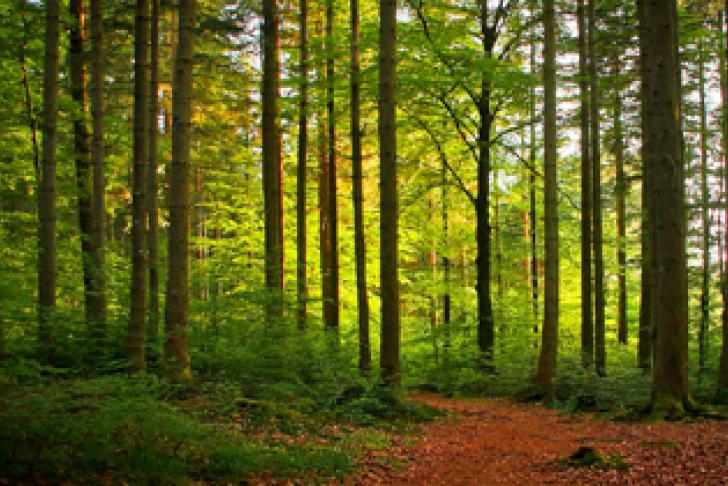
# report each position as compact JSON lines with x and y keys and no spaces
{"x":662,"y":153}
{"x":331,"y":298}
{"x":47,"y":189}
{"x":272,"y":168}
{"x":365,"y":352}
{"x":138,"y":314}
{"x":302,"y":285}
{"x":153,"y":185}
{"x":97,"y":305}
{"x":176,"y":352}
{"x":704,"y":213}
{"x":587,"y":321}
{"x":620,"y":196}
{"x":549,"y":334}
{"x":723,"y":368}
{"x":389,"y":247}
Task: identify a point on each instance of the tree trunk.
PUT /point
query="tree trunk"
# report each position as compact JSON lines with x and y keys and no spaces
{"x":723,"y":368}
{"x":549,"y":337}
{"x":331,"y":301}
{"x":532,"y":194}
{"x":646,"y":281}
{"x":663,"y":151}
{"x":32,"y":122}
{"x":389,"y":251}
{"x":98,"y":303}
{"x":137,"y":318}
{"x":704,"y":211}
{"x":587,"y":321}
{"x":301,"y":279}
{"x":595,"y":139}
{"x":620,"y":195}
{"x":365,"y":352}
{"x":486,"y":336}
{"x":272,"y":169}
{"x":153,"y":188}
{"x":176,"y":354}
{"x":323,"y":184}
{"x":446,"y":300}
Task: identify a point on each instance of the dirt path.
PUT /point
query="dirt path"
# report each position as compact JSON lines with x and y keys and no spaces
{"x":495,"y":441}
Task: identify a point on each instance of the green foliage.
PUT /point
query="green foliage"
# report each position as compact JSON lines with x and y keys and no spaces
{"x":120,"y":429}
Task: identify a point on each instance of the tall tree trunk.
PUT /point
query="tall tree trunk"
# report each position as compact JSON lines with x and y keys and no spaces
{"x":301,"y":279}
{"x":32,"y":122}
{"x":323,"y":180}
{"x":389,"y":247}
{"x":153,"y":188}
{"x":365,"y":352}
{"x":446,"y":299}
{"x":98,"y":303}
{"x":549,"y":336}
{"x":47,"y":191}
{"x":663,"y":151}
{"x":138,"y":317}
{"x":595,"y":139}
{"x":587,"y":320}
{"x":723,"y":368}
{"x":331,"y":301}
{"x":176,"y":354}
{"x":644,"y":354}
{"x":272,"y":169}
{"x":532,"y":193}
{"x":704,"y":211}
{"x":620,"y":196}
{"x":486,"y":336}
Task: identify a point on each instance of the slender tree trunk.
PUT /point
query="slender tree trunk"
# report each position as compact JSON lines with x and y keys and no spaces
{"x":176,"y":354}
{"x":646,"y":281}
{"x":138,"y":317}
{"x":723,"y":368}
{"x":301,"y":279}
{"x":389,"y":248}
{"x":365,"y":352}
{"x":595,"y":139}
{"x":486,"y":336}
{"x":620,"y":195}
{"x":323,"y":183}
{"x":47,"y":191}
{"x":153,"y":188}
{"x":549,"y":337}
{"x":331,"y":301}
{"x":32,"y":122}
{"x":663,"y":150}
{"x":98,"y":303}
{"x":705,"y":210}
{"x":587,"y":321}
{"x":532,"y":193}
{"x":446,"y":299}
{"x":272,"y":169}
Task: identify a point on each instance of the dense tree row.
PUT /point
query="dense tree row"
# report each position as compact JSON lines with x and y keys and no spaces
{"x":194,"y":171}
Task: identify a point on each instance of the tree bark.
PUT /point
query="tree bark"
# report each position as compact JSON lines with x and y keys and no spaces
{"x":98,"y":239}
{"x":532,"y":193}
{"x":723,"y":368}
{"x":153,"y":188}
{"x":47,"y":190}
{"x":549,"y":337}
{"x":486,"y":327}
{"x":620,"y":195}
{"x":323,"y":182}
{"x":176,"y":354}
{"x":365,"y":352}
{"x":704,"y":216}
{"x":137,"y":318}
{"x":595,"y":139}
{"x":331,"y":301}
{"x":272,"y":168}
{"x":301,"y":279}
{"x":587,"y":320}
{"x":389,"y":352}
{"x":663,"y":151}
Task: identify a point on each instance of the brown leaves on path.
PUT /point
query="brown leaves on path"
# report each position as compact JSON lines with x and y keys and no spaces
{"x":497,"y":441}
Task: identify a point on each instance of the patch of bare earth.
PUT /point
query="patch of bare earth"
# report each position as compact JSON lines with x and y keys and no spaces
{"x":497,"y":441}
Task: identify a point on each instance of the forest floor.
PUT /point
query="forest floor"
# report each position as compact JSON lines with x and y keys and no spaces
{"x":497,"y":441}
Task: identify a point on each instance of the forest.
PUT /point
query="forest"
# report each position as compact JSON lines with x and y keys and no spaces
{"x":359,"y":242}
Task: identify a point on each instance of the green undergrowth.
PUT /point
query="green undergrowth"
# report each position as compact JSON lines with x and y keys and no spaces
{"x":128,"y":430}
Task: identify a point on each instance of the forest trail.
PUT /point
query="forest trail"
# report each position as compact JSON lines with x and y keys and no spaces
{"x":496,"y":441}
